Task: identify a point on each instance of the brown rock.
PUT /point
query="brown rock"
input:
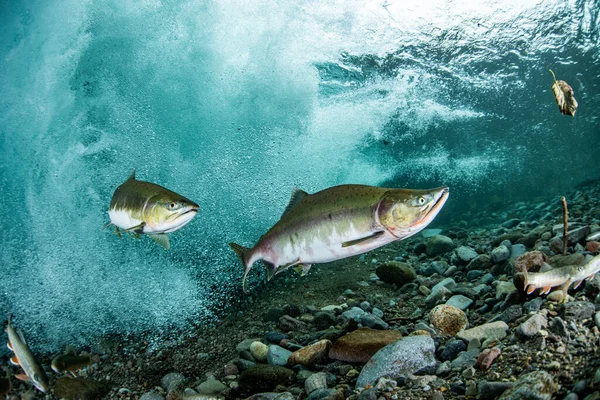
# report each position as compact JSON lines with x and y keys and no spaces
{"x":448,"y":319}
{"x":486,"y":358}
{"x":592,"y":247}
{"x":531,"y":261}
{"x":360,"y":345}
{"x":311,"y":355}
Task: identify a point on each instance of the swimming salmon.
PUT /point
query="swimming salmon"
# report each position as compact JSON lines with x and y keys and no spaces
{"x":144,"y":207}
{"x":339,"y":222}
{"x":70,"y":363}
{"x":25,"y":358}
{"x":563,"y":277}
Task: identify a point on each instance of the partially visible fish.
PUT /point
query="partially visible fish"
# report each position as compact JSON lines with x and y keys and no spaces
{"x":70,"y":363}
{"x":339,"y":222}
{"x":26,"y":360}
{"x":144,"y":207}
{"x":593,"y":236}
{"x":563,"y":277}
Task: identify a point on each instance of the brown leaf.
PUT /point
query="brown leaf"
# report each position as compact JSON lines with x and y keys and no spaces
{"x":564,"y":97}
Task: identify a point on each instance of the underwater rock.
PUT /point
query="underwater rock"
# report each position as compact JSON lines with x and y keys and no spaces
{"x":372,"y":321}
{"x":362,"y":344}
{"x":211,"y":386}
{"x":288,"y":323}
{"x":532,"y":326}
{"x":465,"y":254}
{"x":264,"y":378}
{"x":398,"y":360}
{"x":491,"y":331}
{"x":271,"y":396}
{"x":448,"y":319}
{"x":486,"y":358}
{"x":537,"y":385}
{"x":277,"y":355}
{"x":315,"y":382}
{"x":324,"y":319}
{"x":500,"y":253}
{"x":395,"y":272}
{"x":482,"y":262}
{"x":491,"y":390}
{"x":173,"y":382}
{"x":459,"y":301}
{"x":80,"y":389}
{"x":578,"y":310}
{"x":452,"y":349}
{"x":311,"y":354}
{"x":151,"y":396}
{"x":439,"y":244}
{"x":259,"y":351}
{"x":354,"y":314}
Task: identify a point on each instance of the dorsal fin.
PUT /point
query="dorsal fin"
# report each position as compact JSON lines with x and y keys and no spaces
{"x":297,"y":196}
{"x":132,"y":176}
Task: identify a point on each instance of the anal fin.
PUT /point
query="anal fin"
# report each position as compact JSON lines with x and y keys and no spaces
{"x":271,"y":269}
{"x":162,"y":239}
{"x":363,"y":240}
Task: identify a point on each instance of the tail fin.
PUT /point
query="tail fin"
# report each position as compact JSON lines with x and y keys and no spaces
{"x":242,"y":252}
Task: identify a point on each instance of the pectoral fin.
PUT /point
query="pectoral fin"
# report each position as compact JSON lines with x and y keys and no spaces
{"x":14,"y":360}
{"x":302,"y":269}
{"x":137,"y":228}
{"x":364,"y":240}
{"x":22,"y":377}
{"x":162,"y":239}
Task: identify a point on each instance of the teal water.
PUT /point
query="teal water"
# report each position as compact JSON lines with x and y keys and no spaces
{"x":232,"y":104}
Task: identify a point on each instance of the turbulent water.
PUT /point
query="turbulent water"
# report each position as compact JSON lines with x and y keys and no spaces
{"x":232,"y":104}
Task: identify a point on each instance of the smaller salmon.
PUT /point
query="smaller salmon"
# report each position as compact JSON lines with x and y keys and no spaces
{"x":563,"y":277}
{"x":26,"y":360}
{"x":70,"y":363}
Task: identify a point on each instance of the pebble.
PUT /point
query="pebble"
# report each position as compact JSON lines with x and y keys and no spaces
{"x":532,"y":326}
{"x":465,"y":359}
{"x":493,"y":330}
{"x":500,"y":253}
{"x":151,"y":396}
{"x":459,"y":301}
{"x":315,"y":382}
{"x":578,"y":310}
{"x":277,"y":355}
{"x":288,"y":323}
{"x":597,"y":319}
{"x":537,"y":385}
{"x":371,"y":321}
{"x":452,"y":349}
{"x":265,"y":378}
{"x":361,"y":344}
{"x":465,"y":254}
{"x":399,"y":359}
{"x":533,"y":306}
{"x":310,"y":355}
{"x":397,"y":273}
{"x":517,"y":250}
{"x":439,"y":244}
{"x":211,"y":386}
{"x":259,"y":351}
{"x":486,"y":358}
{"x":324,"y":319}
{"x":448,"y":319}
{"x":172,"y":382}
{"x":355,"y":314}
{"x":491,"y":390}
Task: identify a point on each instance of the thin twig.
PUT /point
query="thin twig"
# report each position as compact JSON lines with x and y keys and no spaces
{"x":565,"y":225}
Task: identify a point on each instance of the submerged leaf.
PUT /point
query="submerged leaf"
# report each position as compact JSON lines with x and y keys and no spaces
{"x":564,"y":97}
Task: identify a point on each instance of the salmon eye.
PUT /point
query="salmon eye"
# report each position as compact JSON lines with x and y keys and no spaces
{"x":171,"y":206}
{"x":421,"y":200}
